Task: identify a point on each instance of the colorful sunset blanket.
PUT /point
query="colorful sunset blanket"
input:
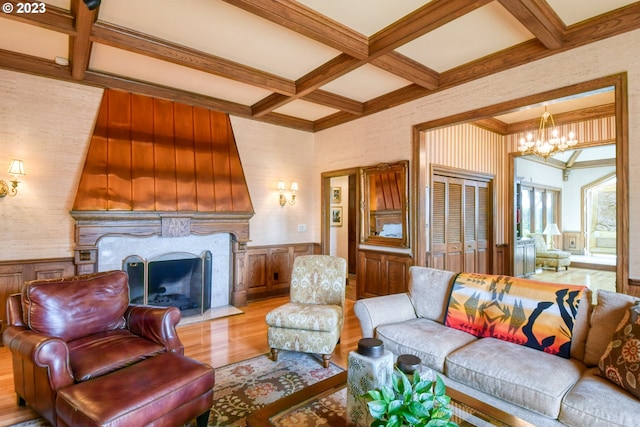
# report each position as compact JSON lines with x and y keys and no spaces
{"x":527,"y":312}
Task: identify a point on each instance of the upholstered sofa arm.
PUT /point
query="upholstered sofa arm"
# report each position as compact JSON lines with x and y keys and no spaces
{"x":376,"y":311}
{"x":157,"y":324}
{"x":43,"y":351}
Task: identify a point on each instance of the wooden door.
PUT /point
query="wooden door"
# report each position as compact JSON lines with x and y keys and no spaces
{"x":461,"y":224}
{"x":446,"y":223}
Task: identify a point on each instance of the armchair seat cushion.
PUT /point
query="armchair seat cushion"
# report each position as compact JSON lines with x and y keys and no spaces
{"x":99,"y":354}
{"x":553,"y":254}
{"x":314,"y":317}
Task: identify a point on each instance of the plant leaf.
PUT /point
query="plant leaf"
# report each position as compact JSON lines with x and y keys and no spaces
{"x":440,"y":389}
{"x":377,"y":408}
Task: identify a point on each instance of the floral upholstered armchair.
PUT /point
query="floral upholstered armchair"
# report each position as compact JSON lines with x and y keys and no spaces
{"x":311,"y":322}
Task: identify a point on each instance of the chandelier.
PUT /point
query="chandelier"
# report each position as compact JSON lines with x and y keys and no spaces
{"x":546,"y":147}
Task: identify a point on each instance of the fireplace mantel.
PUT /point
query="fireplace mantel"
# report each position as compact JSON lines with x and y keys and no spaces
{"x":91,"y":226}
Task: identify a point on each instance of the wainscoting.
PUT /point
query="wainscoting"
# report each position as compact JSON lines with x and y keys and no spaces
{"x":14,"y":273}
{"x":268,"y":268}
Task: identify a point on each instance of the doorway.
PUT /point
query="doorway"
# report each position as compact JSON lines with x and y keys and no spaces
{"x":340,"y":219}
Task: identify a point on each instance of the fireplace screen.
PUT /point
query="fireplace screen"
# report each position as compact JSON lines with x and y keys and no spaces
{"x":176,"y":279}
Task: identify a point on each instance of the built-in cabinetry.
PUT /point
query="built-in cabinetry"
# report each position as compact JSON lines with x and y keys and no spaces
{"x":524,"y":257}
{"x":13,"y":274}
{"x":268,"y":268}
{"x":382,"y":273}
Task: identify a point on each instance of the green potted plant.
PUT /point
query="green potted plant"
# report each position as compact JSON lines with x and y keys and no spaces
{"x":410,"y":403}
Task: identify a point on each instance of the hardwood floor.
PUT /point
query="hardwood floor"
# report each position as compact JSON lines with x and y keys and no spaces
{"x":217,"y":342}
{"x":593,"y":279}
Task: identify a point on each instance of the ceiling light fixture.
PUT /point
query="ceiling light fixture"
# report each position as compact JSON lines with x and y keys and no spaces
{"x":543,"y":146}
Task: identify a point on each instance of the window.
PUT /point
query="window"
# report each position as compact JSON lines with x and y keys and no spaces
{"x":539,"y":207}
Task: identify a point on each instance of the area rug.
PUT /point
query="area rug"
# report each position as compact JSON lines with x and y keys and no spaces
{"x":247,"y":386}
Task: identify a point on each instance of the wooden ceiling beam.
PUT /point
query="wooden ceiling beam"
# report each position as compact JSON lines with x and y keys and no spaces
{"x":81,"y":42}
{"x":31,"y":65}
{"x":190,"y":98}
{"x":418,"y":23}
{"x":610,"y":24}
{"x":143,"y":44}
{"x":305,"y":21}
{"x":573,"y":158}
{"x":493,"y":125}
{"x":55,"y":18}
{"x":408,"y":69}
{"x":335,"y":101}
{"x":538,"y":17}
{"x":327,"y":72}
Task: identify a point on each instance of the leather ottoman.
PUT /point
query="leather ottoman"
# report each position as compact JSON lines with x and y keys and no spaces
{"x":165,"y":390}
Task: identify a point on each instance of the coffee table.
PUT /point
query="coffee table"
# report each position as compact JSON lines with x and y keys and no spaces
{"x":290,"y":410}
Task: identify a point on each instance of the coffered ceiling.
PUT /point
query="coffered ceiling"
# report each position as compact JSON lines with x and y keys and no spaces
{"x":308,"y":64}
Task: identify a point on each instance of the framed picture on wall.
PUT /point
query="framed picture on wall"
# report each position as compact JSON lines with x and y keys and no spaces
{"x":336,"y":216}
{"x":336,"y":194}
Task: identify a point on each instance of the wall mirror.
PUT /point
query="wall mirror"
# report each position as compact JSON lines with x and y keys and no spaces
{"x":384,"y":201}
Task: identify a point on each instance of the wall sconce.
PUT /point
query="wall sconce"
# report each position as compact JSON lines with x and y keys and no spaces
{"x":283,"y":198}
{"x":16,"y":169}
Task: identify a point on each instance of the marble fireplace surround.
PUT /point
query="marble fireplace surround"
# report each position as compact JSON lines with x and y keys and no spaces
{"x":104,"y":238}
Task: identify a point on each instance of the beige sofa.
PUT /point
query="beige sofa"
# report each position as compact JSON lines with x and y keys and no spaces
{"x":541,"y":388}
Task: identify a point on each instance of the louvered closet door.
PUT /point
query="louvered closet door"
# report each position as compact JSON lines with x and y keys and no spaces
{"x":476,"y":227}
{"x":460,"y":225}
{"x":447,"y":226}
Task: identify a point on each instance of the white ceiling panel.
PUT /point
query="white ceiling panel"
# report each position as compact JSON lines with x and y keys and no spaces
{"x":366,"y":83}
{"x":365,"y":16}
{"x":220,"y":29}
{"x":305,"y":110}
{"x":482,"y":32}
{"x":573,"y":11}
{"x":578,"y":102}
{"x":33,"y":41}
{"x":143,"y":68}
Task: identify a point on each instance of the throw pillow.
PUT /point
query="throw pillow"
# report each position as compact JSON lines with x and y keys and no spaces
{"x":607,"y":314}
{"x":535,"y":314}
{"x":621,"y":362}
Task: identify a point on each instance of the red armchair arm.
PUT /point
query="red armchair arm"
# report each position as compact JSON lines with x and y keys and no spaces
{"x":43,"y":351}
{"x":157,"y":324}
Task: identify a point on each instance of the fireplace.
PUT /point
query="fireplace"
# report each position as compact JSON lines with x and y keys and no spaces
{"x":159,"y":178}
{"x":176,"y":279}
{"x":191,"y":272}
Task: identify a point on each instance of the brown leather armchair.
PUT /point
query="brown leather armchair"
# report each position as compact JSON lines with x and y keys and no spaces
{"x":66,"y":331}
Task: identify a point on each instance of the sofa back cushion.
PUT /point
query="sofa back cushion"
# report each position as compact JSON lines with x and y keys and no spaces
{"x":610,"y":308}
{"x":75,"y":307}
{"x":535,"y":314}
{"x":429,"y":290}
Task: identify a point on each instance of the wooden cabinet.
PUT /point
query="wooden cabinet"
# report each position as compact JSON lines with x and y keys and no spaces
{"x":382,"y":273}
{"x":524,"y":258}
{"x":268,"y":269}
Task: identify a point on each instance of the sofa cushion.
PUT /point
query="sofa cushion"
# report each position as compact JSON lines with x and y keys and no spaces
{"x":75,"y":307}
{"x":594,"y":401}
{"x":621,"y":361}
{"x":532,"y":379}
{"x":607,"y":314}
{"x":429,"y":291}
{"x":99,"y":354}
{"x":526,"y":312}
{"x":428,"y":340}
